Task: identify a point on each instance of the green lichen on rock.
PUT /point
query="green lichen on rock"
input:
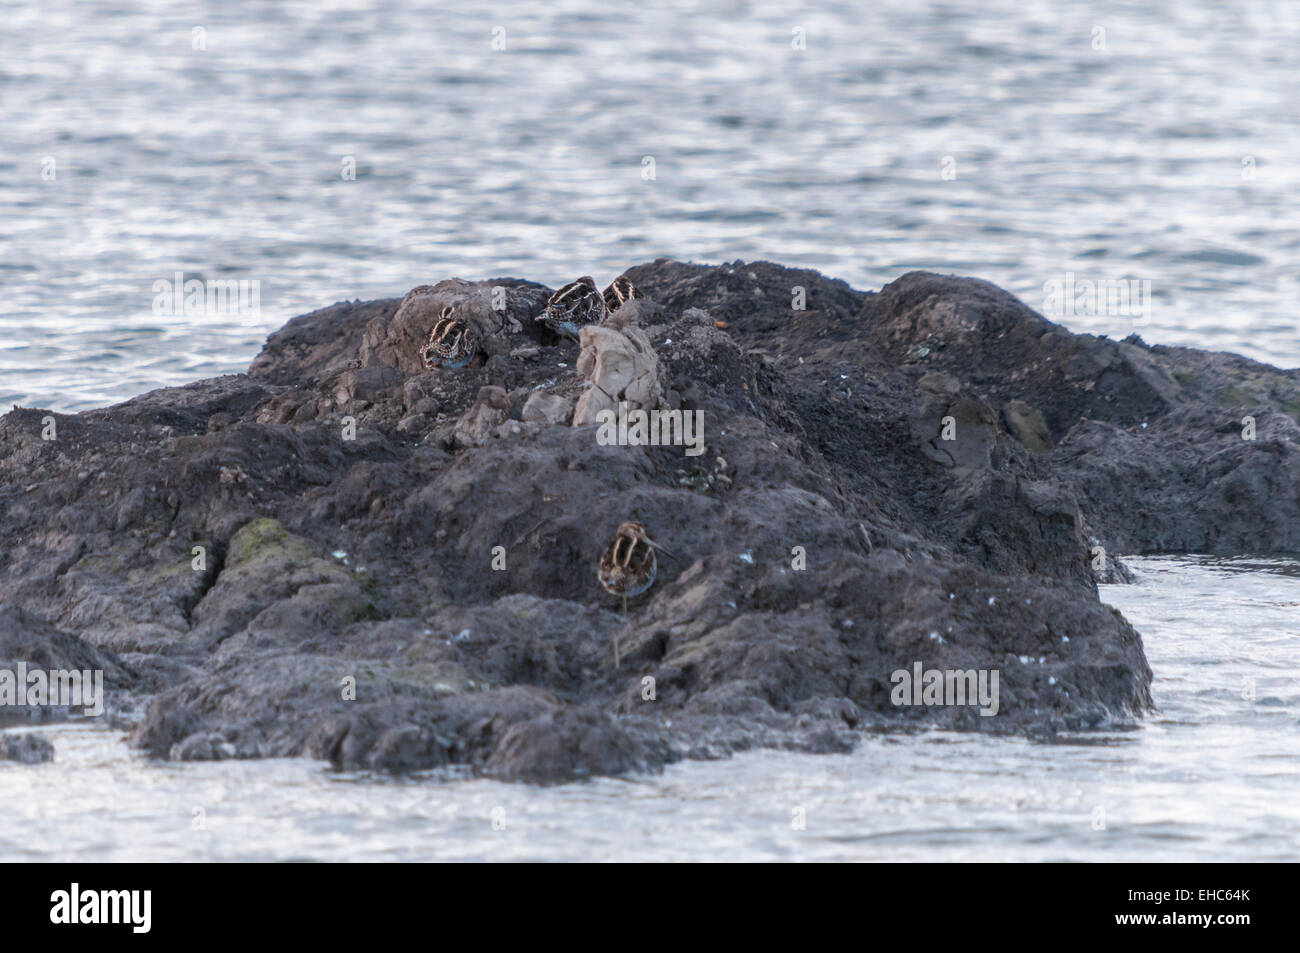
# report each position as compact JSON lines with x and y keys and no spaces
{"x":111,"y":563}
{"x":274,"y":585}
{"x":265,"y":540}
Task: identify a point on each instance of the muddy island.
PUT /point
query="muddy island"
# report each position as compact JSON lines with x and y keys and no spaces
{"x":346,"y":555}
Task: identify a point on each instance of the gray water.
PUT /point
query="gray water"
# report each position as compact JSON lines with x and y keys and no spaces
{"x":127,"y":155}
{"x":226,"y":162}
{"x":1212,"y":776}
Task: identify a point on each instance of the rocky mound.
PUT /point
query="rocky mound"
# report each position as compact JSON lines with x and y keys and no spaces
{"x":345,"y":555}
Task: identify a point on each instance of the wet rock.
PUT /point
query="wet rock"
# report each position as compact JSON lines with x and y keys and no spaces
{"x":313,"y":346}
{"x":258,"y":580}
{"x":271,"y":587}
{"x":940,"y":384}
{"x":570,"y":743}
{"x":479,"y":424}
{"x":27,"y":637}
{"x":1027,"y":425}
{"x":416,"y":423}
{"x":201,"y":746}
{"x":25,"y":749}
{"x":363,"y":384}
{"x":500,"y":312}
{"x":960,"y":432}
{"x":548,"y":409}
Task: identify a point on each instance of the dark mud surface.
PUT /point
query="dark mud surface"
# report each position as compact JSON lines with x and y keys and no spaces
{"x":353,"y":512}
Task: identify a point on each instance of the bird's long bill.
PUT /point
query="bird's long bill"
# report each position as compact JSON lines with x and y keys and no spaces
{"x":668,"y":553}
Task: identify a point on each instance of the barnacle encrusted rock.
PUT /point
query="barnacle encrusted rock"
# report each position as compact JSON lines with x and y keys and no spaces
{"x":346,"y":556}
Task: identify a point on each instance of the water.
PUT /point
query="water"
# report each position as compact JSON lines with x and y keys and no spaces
{"x":1213,"y":776}
{"x":225,"y":162}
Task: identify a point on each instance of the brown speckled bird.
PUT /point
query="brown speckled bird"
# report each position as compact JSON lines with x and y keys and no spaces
{"x":620,"y":292}
{"x":628,"y":566}
{"x":573,"y":307}
{"x":452,"y":343}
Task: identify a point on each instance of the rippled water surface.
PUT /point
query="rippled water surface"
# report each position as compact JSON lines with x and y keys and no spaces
{"x":127,"y":155}
{"x":1168,"y":154}
{"x":1213,"y":776}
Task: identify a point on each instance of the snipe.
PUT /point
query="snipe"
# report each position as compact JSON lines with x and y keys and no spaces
{"x":620,"y":292}
{"x":579,"y":304}
{"x":452,"y":343}
{"x":628,"y":566}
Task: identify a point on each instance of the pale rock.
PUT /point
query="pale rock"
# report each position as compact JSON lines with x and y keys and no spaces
{"x":622,"y":366}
